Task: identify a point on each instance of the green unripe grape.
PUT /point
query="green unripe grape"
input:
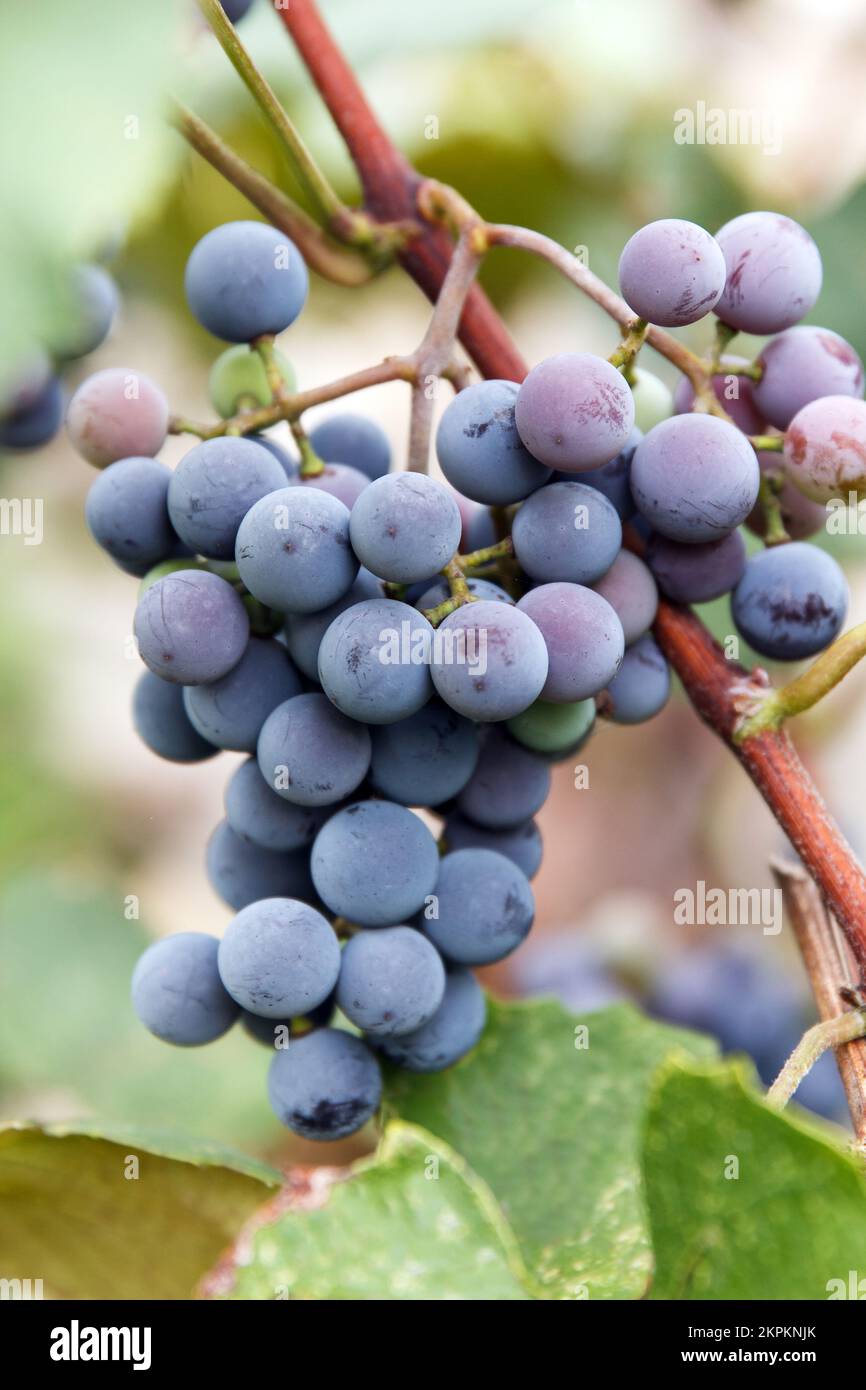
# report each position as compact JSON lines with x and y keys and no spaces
{"x":653,"y":400}
{"x":548,"y":728}
{"x":239,"y":373}
{"x":184,"y":562}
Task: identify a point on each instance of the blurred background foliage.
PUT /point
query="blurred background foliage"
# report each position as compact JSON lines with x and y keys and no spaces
{"x":558,"y":114}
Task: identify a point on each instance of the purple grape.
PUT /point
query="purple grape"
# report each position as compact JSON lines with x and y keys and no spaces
{"x":801,"y":365}
{"x":126,"y":512}
{"x":340,"y":481}
{"x":734,"y":392}
{"x":374,"y":661}
{"x":116,"y":414}
{"x":293,"y":550}
{"x":479,"y":449}
{"x":177,"y":992}
{"x":213,"y":488}
{"x":405,"y":527}
{"x":696,"y":573}
{"x":521,"y":844}
{"x":236,"y":10}
{"x":583,"y":635}
{"x":161,"y":722}
{"x":31,"y":417}
{"x":613,"y":478}
{"x":279,"y":958}
{"x":375,"y":863}
{"x":774,"y":272}
{"x":489,"y":661}
{"x":244,"y":280}
{"x":230,"y":712}
{"x":482,"y":530}
{"x":801,"y":517}
{"x":567,"y":531}
{"x":453,"y":1030}
{"x":631,"y":591}
{"x":242,"y":873}
{"x":353,"y":440}
{"x":426,"y":759}
{"x":671,"y":272}
{"x":392,"y":981}
{"x":574,"y":411}
{"x":325,"y":1085}
{"x":791,"y":601}
{"x":304,"y":631}
{"x":695,"y":478}
{"x":288,"y":464}
{"x":484,"y":907}
{"x":641,"y":686}
{"x":825,"y":448}
{"x":311,"y":754}
{"x":191,"y":627}
{"x":258,"y":814}
{"x":508,"y":786}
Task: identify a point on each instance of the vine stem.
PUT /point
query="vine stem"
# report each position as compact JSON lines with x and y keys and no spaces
{"x":713,"y":684}
{"x":807,"y":689}
{"x":833,"y":1032}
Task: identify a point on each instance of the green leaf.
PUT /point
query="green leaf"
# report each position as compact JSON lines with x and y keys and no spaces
{"x":553,"y":1127}
{"x":744,"y":1202}
{"x":413,"y":1223}
{"x":72,"y":1216}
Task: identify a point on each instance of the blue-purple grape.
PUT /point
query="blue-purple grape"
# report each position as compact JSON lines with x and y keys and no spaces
{"x":353,"y":440}
{"x":508,"y":786}
{"x":244,"y":280}
{"x":801,"y":365}
{"x":641,"y":686}
{"x":258,"y":814}
{"x":213,"y":488}
{"x":375,"y":863}
{"x":374,"y":661}
{"x":567,"y":531}
{"x":574,"y":411}
{"x":325,"y":1085}
{"x":483,"y":909}
{"x":230,"y":712}
{"x":613,"y":478}
{"x":391,"y":982}
{"x":632,"y":593}
{"x":695,"y":478}
{"x":279,"y":958}
{"x":671,"y":272}
{"x":426,"y":759}
{"x":191,"y":627}
{"x":293,"y":550}
{"x":791,"y":601}
{"x":127,"y":514}
{"x":161,"y":721}
{"x":774,"y":272}
{"x":583,"y":635}
{"x":479,"y":449}
{"x":696,"y":573}
{"x":31,"y":418}
{"x":489,"y":661}
{"x":241,"y":872}
{"x":310,"y":753}
{"x":454,"y":1029}
{"x":177,"y":992}
{"x":521,"y":844}
{"x":405,"y":527}
{"x":304,"y":631}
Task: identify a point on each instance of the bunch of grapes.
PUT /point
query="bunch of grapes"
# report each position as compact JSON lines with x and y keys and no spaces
{"x":380,"y":643}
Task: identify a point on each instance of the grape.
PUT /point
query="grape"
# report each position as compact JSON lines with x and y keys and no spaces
{"x":391,"y":981}
{"x":186,"y":561}
{"x":574,"y":411}
{"x":279,"y":958}
{"x":239,"y":373}
{"x":801,"y":517}
{"x":230,"y":712}
{"x":293,"y":550}
{"x":304,"y":631}
{"x":340,"y":481}
{"x":405,"y":527}
{"x":311,"y":754}
{"x":264,"y":1030}
{"x":653,"y":400}
{"x":574,"y":971}
{"x":697,"y":573}
{"x":288,"y":464}
{"x":583,"y":636}
{"x":32,"y":418}
{"x":236,"y":10}
{"x":478,"y":588}
{"x":522,"y":844}
{"x":791,"y":601}
{"x":375,"y":863}
{"x":213,"y":488}
{"x":735,"y":394}
{"x":773,"y":272}
{"x":484,"y":907}
{"x":613,"y":478}
{"x":373,"y":661}
{"x":426,"y":759}
{"x":354,"y":440}
{"x":244,"y":280}
{"x":801,"y":365}
{"x":671,"y":272}
{"x":453,"y":1030}
{"x":177,"y":992}
{"x":695,"y":478}
{"x":191,"y":627}
{"x":259,"y":815}
{"x":489,"y":661}
{"x":479,"y":449}
{"x":825,"y":448}
{"x":115,"y":414}
{"x":95,"y":303}
{"x":554,"y":729}
{"x":22,"y":382}
{"x":567,"y":531}
{"x":482,"y":530}
{"x":630,"y":589}
{"x":508,"y":785}
{"x":241,"y":873}
{"x":126,"y":511}
{"x":641,"y":686}
{"x":325,"y":1085}
{"x":161,"y":721}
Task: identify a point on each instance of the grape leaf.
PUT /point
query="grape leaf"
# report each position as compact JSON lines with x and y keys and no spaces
{"x":412,"y":1223}
{"x":72,"y":1214}
{"x":744,"y":1202}
{"x":553,"y":1128}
